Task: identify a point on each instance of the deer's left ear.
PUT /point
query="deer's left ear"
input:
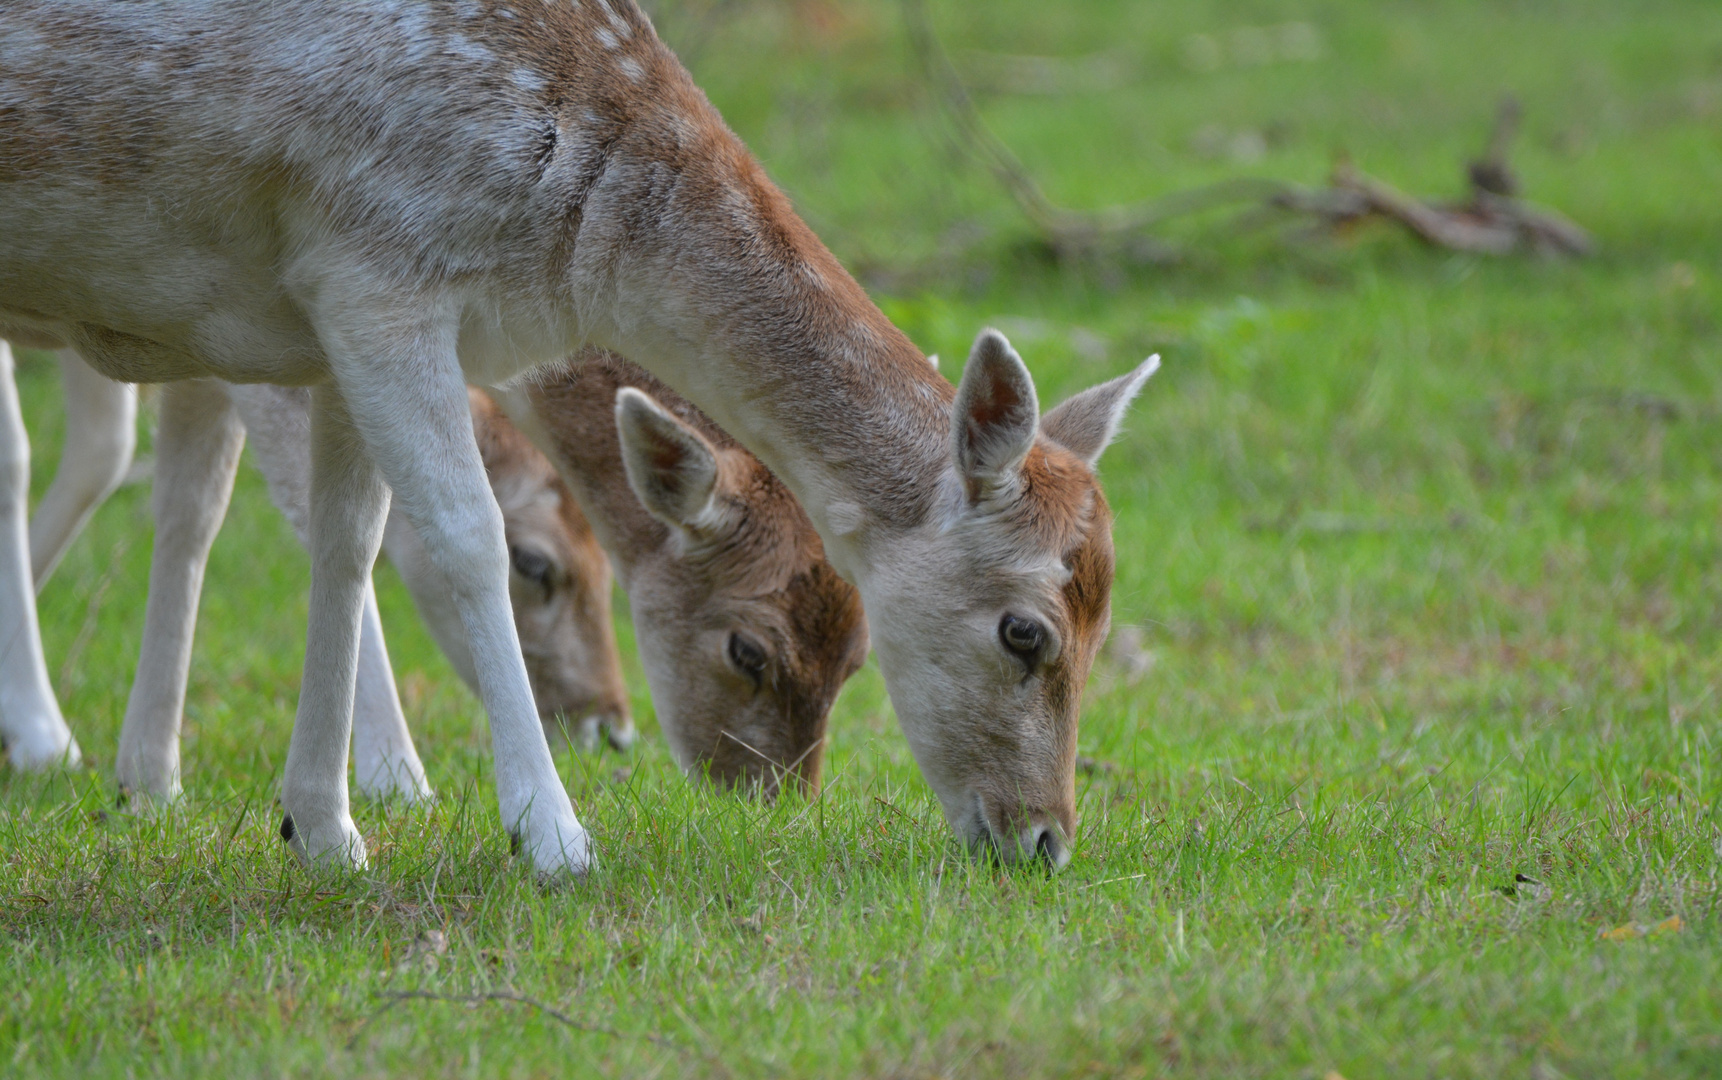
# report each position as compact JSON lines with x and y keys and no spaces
{"x":670,"y":466}
{"x":996,"y":415}
{"x":1087,"y":422}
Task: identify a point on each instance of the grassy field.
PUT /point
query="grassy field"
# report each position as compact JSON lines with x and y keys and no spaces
{"x":1400,"y":765}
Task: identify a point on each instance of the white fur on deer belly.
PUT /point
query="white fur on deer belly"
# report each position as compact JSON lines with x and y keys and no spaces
{"x":494,"y":349}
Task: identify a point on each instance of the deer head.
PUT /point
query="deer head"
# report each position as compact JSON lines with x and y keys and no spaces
{"x":997,"y":604}
{"x":746,"y":633}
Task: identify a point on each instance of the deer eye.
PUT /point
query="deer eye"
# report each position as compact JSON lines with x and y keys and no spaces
{"x":1023,"y":637}
{"x":747,"y":656}
{"x":532,"y":565}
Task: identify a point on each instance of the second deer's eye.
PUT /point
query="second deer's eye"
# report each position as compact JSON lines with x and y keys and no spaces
{"x":1022,"y":636}
{"x":532,"y":565}
{"x":747,"y":656}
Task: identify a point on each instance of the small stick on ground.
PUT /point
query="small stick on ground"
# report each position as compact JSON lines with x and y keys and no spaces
{"x":396,"y":997}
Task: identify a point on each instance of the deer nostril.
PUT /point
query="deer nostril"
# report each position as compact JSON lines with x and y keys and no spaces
{"x":1049,"y":846}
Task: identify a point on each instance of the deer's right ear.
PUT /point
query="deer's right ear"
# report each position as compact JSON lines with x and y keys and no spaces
{"x":1086,"y":423}
{"x":671,"y":468}
{"x":996,"y":415}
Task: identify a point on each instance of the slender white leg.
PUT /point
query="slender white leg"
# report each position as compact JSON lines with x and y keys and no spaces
{"x":409,"y":399}
{"x":101,"y":435}
{"x":197,"y":453}
{"x":31,"y":727}
{"x":348,"y":505}
{"x":385,"y":763}
{"x":430,"y":592}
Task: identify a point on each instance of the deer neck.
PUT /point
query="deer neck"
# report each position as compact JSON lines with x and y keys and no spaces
{"x":740,"y":309}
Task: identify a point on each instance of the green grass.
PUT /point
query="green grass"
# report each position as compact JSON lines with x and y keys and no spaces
{"x":1420,"y":553}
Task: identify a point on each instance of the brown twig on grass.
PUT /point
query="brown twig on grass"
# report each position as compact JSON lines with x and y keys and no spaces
{"x":1067,"y":232}
{"x":1493,"y":222}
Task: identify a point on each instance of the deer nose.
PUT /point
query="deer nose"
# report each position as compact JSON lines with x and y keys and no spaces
{"x":1049,"y":845}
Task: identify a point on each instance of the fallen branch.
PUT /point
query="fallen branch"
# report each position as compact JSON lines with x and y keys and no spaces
{"x":1066,"y":231}
{"x":1493,"y":221}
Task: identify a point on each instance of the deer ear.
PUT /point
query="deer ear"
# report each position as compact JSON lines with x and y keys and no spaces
{"x":996,"y":415}
{"x":671,"y":468}
{"x":1087,"y":422}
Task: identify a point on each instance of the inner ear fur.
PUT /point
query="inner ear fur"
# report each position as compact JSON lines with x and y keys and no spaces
{"x":1086,"y":423}
{"x":671,"y":468}
{"x":996,"y":415}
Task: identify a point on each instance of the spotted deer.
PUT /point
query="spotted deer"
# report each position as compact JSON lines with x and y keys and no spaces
{"x":745,"y":631}
{"x":386,"y":199}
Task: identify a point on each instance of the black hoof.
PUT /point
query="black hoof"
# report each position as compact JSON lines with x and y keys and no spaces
{"x":287,"y":827}
{"x":513,"y":843}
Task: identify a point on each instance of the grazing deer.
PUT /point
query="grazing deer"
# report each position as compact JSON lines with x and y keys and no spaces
{"x":386,"y":199}
{"x":746,"y":633}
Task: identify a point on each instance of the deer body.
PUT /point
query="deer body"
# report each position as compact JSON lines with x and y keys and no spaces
{"x":385,"y":198}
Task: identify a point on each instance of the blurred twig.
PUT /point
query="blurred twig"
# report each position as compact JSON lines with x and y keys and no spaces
{"x":1492,"y":222}
{"x":1066,"y":231}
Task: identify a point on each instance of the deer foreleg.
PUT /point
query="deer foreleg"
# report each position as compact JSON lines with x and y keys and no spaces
{"x":385,"y":762}
{"x":31,"y":727}
{"x":197,"y":454}
{"x":348,"y":504}
{"x":409,"y":399}
{"x":101,"y":435}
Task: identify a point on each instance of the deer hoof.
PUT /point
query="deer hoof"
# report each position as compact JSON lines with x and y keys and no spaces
{"x":331,"y":844}
{"x":45,"y":746}
{"x":556,"y":845}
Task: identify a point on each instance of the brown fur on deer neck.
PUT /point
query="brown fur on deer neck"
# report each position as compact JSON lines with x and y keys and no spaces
{"x":771,"y":538}
{"x":702,"y":269}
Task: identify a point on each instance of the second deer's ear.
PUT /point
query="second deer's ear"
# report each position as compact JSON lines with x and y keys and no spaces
{"x":996,"y":415}
{"x":672,"y":470}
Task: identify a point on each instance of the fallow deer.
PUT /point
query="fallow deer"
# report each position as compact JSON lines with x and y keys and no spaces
{"x":746,"y":633}
{"x":386,"y":199}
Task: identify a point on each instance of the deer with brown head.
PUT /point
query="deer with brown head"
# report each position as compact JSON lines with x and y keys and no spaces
{"x":746,"y":633}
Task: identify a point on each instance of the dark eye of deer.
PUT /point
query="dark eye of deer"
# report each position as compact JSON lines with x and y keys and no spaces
{"x":1024,"y":637}
{"x":748,"y":658}
{"x":532,"y":565}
